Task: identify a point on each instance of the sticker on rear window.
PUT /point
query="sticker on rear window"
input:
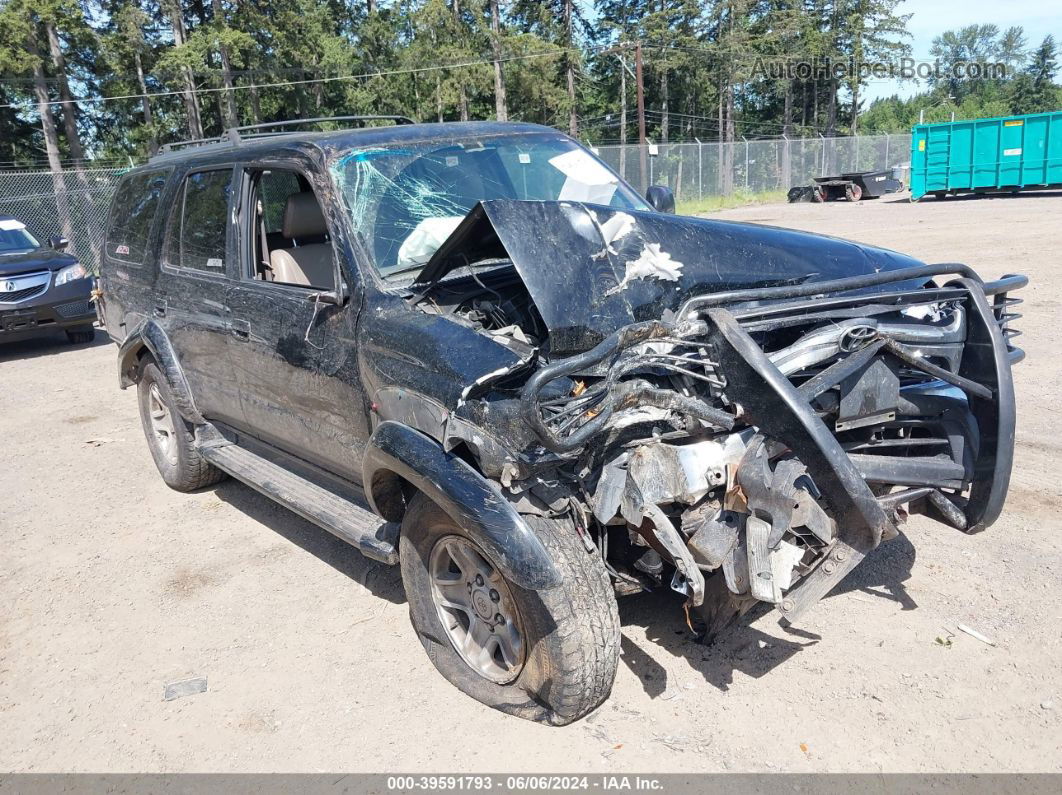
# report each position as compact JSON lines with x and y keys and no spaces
{"x":524,"y":157}
{"x":451,"y":161}
{"x":122,"y":250}
{"x":214,"y":262}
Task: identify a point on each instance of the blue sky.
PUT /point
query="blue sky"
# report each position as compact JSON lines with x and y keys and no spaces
{"x":933,"y":17}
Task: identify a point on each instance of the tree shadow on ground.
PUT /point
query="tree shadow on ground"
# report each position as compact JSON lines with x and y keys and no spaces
{"x":742,"y":646}
{"x":382,"y":580}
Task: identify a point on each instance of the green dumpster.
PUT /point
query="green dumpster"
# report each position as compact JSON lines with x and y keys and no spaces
{"x":1009,"y":153}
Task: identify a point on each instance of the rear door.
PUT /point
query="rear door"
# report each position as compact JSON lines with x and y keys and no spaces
{"x":296,"y":358}
{"x":128,"y":267}
{"x":194,"y":288}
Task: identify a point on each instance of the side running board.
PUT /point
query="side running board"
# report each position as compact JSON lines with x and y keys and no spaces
{"x":374,"y":537}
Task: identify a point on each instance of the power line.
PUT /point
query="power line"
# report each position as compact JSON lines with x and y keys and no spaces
{"x":30,"y":104}
{"x":709,"y":121}
{"x":734,"y":53}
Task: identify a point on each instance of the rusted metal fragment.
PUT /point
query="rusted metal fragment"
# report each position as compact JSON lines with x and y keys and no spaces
{"x":841,"y":560}
{"x":713,"y":534}
{"x":736,"y":567}
{"x":678,"y":473}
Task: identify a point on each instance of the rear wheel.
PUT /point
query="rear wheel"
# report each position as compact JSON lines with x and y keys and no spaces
{"x":548,"y":656}
{"x":853,"y":192}
{"x":170,"y":437}
{"x":81,"y":335}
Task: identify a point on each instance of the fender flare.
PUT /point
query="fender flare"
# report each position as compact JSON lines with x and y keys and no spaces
{"x":148,"y":335}
{"x":470,"y":499}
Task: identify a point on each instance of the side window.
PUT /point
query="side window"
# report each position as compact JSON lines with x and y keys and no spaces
{"x":133,"y":210}
{"x":197,"y":233}
{"x":288,"y":235}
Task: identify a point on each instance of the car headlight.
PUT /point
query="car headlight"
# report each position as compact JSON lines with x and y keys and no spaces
{"x":71,"y":272}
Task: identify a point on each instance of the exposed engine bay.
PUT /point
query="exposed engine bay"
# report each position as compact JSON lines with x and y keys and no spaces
{"x":740,"y":446}
{"x":495,"y":302}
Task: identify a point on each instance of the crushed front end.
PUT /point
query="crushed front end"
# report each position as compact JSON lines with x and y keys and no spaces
{"x":739,"y":413}
{"x":759,"y":443}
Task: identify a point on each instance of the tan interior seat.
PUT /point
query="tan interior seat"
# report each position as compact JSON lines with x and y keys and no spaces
{"x":311,"y":265}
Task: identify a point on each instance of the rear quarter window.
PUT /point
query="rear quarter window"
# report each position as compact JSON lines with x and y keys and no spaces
{"x":133,"y":210}
{"x":198,"y":227}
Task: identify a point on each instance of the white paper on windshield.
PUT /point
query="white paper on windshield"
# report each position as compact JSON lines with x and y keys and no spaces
{"x":425,"y":239}
{"x":586,"y":179}
{"x":10,"y":225}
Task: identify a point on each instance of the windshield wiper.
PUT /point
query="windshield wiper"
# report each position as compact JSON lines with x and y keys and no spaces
{"x":410,"y":269}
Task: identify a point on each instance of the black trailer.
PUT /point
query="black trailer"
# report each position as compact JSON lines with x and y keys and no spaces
{"x":853,"y":187}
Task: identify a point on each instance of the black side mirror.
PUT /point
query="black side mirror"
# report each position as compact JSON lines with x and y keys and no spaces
{"x":58,"y":242}
{"x":661,"y":198}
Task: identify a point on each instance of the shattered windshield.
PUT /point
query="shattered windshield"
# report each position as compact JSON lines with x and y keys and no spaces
{"x":405,"y":200}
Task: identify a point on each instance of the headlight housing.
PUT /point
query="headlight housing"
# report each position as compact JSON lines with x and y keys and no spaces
{"x":70,"y":273}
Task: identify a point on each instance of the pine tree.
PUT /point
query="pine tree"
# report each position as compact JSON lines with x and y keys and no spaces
{"x":1035,"y":90}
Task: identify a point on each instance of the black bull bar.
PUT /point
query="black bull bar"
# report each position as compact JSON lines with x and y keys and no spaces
{"x":768,"y":399}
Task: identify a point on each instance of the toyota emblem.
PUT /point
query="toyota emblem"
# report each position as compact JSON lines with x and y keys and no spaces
{"x":856,"y":337}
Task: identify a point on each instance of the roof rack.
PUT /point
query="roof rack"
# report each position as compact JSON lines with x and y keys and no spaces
{"x":235,"y":135}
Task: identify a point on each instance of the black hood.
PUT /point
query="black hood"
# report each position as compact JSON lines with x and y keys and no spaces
{"x":592,"y":269}
{"x":37,"y":260}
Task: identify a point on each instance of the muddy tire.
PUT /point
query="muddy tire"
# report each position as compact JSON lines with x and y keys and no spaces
{"x":568,"y":636}
{"x":853,"y":192}
{"x":170,"y":437}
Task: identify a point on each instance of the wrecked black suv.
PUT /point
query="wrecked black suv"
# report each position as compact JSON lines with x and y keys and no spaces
{"x":547,"y":390}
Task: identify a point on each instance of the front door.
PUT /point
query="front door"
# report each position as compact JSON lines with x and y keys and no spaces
{"x":296,"y":359}
{"x":191,"y":300}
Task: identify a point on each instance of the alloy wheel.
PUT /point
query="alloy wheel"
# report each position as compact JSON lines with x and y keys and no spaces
{"x":477,"y":609}
{"x":162,"y":425}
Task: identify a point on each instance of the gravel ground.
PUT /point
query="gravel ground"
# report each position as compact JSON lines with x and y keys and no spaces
{"x":112,"y":586}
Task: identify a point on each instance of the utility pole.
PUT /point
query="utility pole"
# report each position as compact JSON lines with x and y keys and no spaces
{"x":501,"y":111}
{"x":573,"y":117}
{"x":623,"y":117}
{"x":642,"y":150}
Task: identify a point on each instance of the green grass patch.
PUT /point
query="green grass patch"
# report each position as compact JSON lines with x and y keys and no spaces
{"x":739,"y":198}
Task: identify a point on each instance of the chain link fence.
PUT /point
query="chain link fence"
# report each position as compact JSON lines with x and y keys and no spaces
{"x":70,"y":203}
{"x":74,"y":203}
{"x":701,"y":170}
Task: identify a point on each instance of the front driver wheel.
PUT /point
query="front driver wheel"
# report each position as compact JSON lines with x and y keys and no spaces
{"x":548,"y":656}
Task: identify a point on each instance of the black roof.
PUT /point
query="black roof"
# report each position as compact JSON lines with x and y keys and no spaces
{"x":341,"y":140}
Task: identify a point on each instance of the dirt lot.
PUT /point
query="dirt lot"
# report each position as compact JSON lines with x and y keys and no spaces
{"x":111,"y":585}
